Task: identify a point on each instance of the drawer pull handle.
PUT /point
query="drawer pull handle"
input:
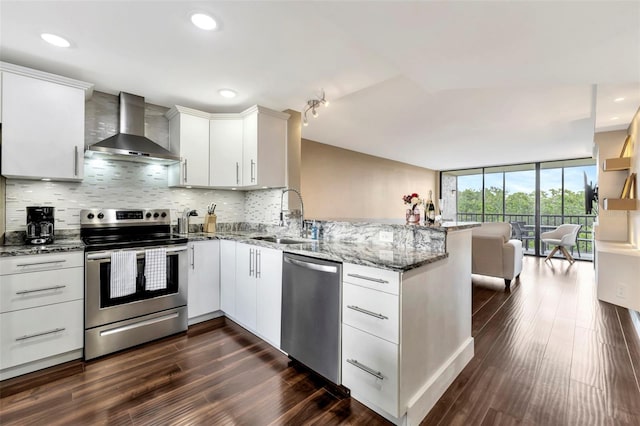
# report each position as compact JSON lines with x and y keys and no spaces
{"x":44,"y":333}
{"x":57,"y":287}
{"x":366,"y":369}
{"x":139,"y":324}
{"x":42,"y":263}
{"x":362,"y":277}
{"x":364,"y":311}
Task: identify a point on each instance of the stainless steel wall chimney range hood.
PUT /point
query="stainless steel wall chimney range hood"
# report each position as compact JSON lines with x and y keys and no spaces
{"x":131,"y":144}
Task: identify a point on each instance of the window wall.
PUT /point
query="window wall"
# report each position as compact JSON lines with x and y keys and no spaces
{"x":533,"y":197}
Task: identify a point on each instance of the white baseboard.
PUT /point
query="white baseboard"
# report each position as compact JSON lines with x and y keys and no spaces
{"x":205,"y":317}
{"x":424,"y":400}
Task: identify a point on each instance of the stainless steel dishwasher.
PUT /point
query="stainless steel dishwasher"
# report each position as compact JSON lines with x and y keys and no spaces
{"x":311,"y":313}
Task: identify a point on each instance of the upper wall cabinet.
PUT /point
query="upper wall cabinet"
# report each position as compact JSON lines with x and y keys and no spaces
{"x":225,"y":137}
{"x":264,"y":143}
{"x":245,"y":150}
{"x":189,"y":138}
{"x":42,"y":124}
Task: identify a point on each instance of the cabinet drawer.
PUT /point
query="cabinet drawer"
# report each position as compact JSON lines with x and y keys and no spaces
{"x":377,"y":279}
{"x":370,"y":310}
{"x":32,"y":289}
{"x":32,"y":334}
{"x":40,"y":262}
{"x":370,"y":368}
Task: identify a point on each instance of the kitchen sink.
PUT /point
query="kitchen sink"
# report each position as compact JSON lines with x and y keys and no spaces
{"x":277,"y":240}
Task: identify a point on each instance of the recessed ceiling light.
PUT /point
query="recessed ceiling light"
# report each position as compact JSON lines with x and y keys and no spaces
{"x":615,"y":118}
{"x":618,"y":100}
{"x":55,"y":40}
{"x":203,"y":21}
{"x":227,"y":93}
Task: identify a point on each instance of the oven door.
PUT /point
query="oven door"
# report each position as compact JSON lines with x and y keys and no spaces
{"x":101,"y":308}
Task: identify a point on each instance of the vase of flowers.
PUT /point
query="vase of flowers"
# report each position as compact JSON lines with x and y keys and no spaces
{"x":413,"y":213}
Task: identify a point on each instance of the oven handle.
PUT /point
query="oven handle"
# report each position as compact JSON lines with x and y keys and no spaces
{"x":107,"y":254}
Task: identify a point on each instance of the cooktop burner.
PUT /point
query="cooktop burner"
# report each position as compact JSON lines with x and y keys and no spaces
{"x":103,"y":229}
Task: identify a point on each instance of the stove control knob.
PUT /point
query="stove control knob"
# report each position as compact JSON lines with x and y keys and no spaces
{"x":155,"y":215}
{"x":148,"y":215}
{"x":90,"y":216}
{"x":164,"y":214}
{"x":100,"y":215}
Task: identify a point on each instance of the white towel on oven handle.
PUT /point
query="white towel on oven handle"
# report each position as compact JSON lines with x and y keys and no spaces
{"x":155,"y":268}
{"x":124,"y":270}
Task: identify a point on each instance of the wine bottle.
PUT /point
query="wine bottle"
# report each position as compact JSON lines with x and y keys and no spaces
{"x":430,"y":210}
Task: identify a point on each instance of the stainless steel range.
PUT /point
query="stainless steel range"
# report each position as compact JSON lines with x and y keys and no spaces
{"x":135,"y":278}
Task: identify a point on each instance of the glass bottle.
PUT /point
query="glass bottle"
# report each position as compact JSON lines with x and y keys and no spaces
{"x":430,"y":210}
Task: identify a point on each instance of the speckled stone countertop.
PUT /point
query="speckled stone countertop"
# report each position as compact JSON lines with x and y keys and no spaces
{"x":379,"y":256}
{"x":58,"y":246}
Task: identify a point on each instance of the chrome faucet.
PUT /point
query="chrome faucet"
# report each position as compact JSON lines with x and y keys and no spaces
{"x":284,"y":191}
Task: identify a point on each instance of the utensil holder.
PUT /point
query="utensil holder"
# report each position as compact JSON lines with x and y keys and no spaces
{"x":210,"y":223}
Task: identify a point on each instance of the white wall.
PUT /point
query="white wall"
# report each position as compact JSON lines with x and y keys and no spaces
{"x":612,"y":224}
{"x":634,"y":216}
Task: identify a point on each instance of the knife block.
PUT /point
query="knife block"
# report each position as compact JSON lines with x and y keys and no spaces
{"x":210,"y":223}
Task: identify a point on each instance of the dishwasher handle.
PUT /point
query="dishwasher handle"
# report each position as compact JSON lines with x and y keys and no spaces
{"x":310,"y":265}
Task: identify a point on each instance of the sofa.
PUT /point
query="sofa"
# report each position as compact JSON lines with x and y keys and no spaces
{"x":494,"y":253}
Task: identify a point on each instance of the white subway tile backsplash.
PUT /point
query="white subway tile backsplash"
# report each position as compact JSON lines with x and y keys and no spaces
{"x":119,"y":184}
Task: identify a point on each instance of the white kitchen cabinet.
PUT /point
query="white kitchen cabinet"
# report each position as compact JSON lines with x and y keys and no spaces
{"x":269,"y":294}
{"x":407,"y":335}
{"x":42,"y":125}
{"x":189,"y":138}
{"x":246,"y":298}
{"x":228,"y":277}
{"x":264,"y":142}
{"x":259,"y":290}
{"x":225,"y":142}
{"x":204,"y":280}
{"x":41,"y":311}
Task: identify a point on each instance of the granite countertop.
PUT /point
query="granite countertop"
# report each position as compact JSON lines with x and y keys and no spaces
{"x":379,"y":256}
{"x":58,"y":246}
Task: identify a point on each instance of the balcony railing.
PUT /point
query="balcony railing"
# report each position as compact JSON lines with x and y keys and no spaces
{"x":547,"y":222}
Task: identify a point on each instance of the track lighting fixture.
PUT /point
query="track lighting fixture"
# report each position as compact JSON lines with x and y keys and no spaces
{"x":312,"y":105}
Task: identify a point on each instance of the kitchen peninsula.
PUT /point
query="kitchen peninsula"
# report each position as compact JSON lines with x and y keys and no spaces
{"x":397,"y":362}
{"x":400,"y":360}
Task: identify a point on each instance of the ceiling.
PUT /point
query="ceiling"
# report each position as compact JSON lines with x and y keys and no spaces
{"x":441,"y":85}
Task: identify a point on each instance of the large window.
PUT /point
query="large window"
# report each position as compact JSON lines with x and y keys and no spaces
{"x":534,"y":198}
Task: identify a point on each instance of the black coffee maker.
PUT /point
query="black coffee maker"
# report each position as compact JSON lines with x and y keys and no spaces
{"x":40,"y":225}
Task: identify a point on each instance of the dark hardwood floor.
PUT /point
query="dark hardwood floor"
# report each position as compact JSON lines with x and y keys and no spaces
{"x":547,"y":353}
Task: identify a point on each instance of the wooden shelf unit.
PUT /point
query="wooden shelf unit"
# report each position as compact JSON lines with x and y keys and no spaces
{"x":621,"y":163}
{"x":620,"y":204}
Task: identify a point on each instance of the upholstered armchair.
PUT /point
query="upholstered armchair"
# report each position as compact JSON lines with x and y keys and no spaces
{"x":562,"y":237}
{"x":493,"y":253}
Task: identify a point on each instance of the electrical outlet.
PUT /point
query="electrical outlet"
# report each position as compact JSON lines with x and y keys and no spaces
{"x":386,"y":236}
{"x":621,"y":291}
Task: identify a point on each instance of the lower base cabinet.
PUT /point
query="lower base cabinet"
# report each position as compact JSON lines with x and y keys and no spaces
{"x":204,"y":279}
{"x":407,"y":335}
{"x":31,"y":334}
{"x":251,"y":288}
{"x":370,"y":368}
{"x":41,"y":311}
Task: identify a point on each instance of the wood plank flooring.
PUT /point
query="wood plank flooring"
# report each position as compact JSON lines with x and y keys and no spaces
{"x":546,"y":353}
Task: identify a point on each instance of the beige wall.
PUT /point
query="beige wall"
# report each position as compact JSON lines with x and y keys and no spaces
{"x":341,"y":184}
